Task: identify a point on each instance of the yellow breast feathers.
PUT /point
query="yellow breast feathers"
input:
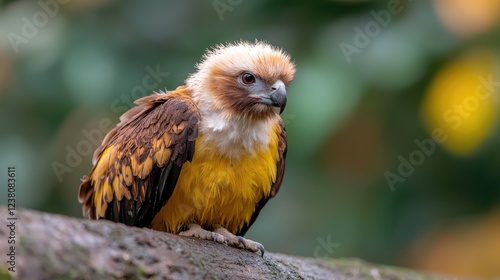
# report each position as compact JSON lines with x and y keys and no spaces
{"x":216,"y":190}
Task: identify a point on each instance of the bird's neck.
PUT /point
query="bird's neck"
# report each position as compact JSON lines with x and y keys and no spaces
{"x":234,"y":136}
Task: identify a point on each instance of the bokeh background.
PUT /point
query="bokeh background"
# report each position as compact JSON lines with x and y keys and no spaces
{"x":392,"y":118}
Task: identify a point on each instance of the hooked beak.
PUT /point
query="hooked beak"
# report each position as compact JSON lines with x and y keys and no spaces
{"x":277,"y":96}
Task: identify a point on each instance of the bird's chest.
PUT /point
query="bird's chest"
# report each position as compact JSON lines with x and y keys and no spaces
{"x":221,"y":186}
{"x":225,"y":191}
{"x":217,"y":189}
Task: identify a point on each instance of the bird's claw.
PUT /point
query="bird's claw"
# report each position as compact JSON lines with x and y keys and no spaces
{"x":252,"y":246}
{"x":240,"y":242}
{"x":223,"y":236}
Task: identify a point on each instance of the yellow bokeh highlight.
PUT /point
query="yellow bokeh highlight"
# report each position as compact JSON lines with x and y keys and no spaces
{"x":462,"y":100}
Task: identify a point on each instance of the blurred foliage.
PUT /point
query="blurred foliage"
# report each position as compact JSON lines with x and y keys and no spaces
{"x":357,"y":115}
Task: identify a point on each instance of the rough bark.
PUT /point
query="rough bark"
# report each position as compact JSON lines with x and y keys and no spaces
{"x":50,"y":246}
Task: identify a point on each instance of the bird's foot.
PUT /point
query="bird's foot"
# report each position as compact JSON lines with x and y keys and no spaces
{"x":222,"y":235}
{"x":240,"y":242}
{"x":195,"y":230}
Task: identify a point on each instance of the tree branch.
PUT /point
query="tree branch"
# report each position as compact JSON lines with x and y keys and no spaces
{"x":50,"y":246}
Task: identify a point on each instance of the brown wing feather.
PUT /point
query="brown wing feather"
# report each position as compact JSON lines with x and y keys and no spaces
{"x":282,"y":148}
{"x":138,"y":163}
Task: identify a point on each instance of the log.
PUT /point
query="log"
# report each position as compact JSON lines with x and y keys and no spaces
{"x":51,"y":246}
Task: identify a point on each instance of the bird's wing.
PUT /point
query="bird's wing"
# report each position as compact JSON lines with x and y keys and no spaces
{"x":137,"y":166}
{"x":280,"y":172}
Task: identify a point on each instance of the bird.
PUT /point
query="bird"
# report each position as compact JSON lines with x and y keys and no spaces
{"x":201,"y":160}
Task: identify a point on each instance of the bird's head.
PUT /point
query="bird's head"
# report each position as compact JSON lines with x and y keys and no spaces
{"x":243,"y":79}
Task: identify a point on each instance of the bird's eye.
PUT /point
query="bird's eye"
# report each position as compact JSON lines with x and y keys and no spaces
{"x":247,"y":78}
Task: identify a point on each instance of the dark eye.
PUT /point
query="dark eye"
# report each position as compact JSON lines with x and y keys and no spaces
{"x":247,"y":78}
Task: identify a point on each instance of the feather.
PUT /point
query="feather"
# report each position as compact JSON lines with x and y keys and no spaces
{"x":282,"y":149}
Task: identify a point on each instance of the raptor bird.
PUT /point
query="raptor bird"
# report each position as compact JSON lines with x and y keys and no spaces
{"x":201,"y":160}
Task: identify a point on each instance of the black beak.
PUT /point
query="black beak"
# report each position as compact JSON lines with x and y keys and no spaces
{"x":279,"y":98}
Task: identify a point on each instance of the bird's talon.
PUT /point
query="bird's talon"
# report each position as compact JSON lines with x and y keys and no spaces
{"x":242,"y":241}
{"x":251,"y":246}
{"x":261,"y":249}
